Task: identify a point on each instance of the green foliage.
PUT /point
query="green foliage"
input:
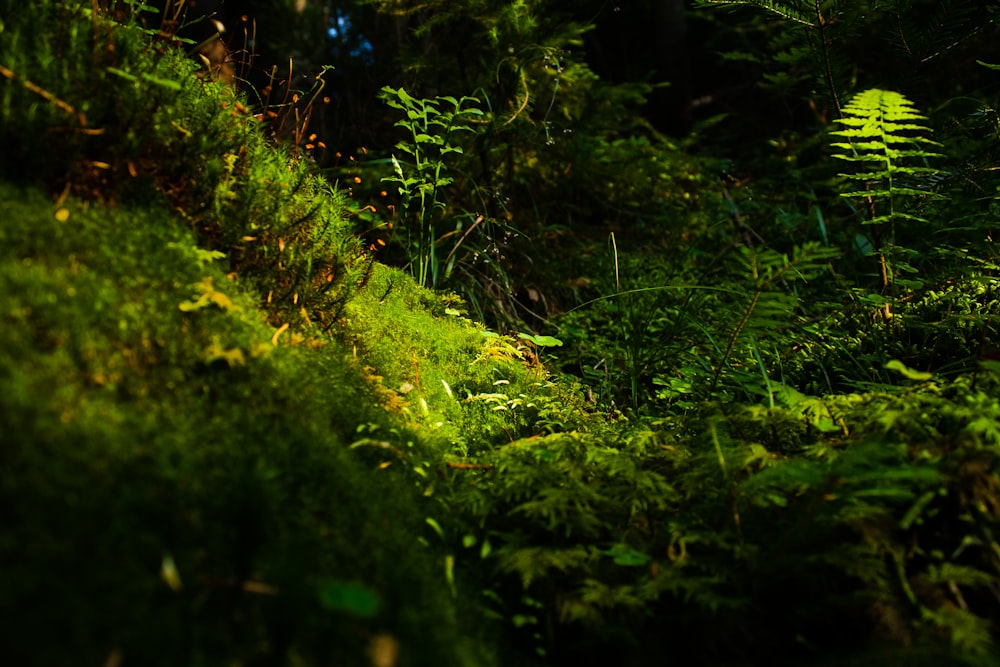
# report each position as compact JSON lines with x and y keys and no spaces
{"x":883,"y":142}
{"x":673,"y":522}
{"x":558,"y":154}
{"x":886,"y":145}
{"x":421,"y":181}
{"x":165,"y":421}
{"x":808,"y":53}
{"x":280,"y":450}
{"x":768,"y":308}
{"x":788,"y":11}
{"x":157,"y":131}
{"x":662,"y":336}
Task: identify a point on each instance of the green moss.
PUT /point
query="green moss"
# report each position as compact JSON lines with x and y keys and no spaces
{"x":139,"y":428}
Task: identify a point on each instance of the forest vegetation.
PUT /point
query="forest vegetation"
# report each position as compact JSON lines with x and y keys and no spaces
{"x":500,"y":332}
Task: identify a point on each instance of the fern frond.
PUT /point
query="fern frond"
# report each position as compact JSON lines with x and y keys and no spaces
{"x":940,"y":27}
{"x":889,"y":146}
{"x":880,"y":118}
{"x":532,"y":563}
{"x":767,"y":307}
{"x":785,"y":10}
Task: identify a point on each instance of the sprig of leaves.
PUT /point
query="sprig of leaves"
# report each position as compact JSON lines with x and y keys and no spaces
{"x":432,"y":124}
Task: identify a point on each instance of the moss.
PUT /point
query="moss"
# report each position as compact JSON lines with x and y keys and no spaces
{"x":184,"y":471}
{"x":142,"y":428}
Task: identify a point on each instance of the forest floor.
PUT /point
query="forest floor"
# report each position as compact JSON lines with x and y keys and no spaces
{"x":231,"y":436}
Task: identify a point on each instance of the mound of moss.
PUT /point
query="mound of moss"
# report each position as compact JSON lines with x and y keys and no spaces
{"x":176,"y":486}
{"x":207,"y":456}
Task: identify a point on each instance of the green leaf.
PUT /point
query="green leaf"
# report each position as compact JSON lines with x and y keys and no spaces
{"x":349,"y":597}
{"x":541,"y":341}
{"x":169,"y":84}
{"x":786,"y":10}
{"x":436,"y":526}
{"x":627,"y":556}
{"x":913,"y":514}
{"x":908,"y":373}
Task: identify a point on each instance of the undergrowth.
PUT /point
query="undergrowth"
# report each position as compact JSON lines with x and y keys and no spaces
{"x":231,"y":435}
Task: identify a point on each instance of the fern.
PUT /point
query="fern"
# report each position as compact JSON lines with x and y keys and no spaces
{"x":808,"y":46}
{"x":941,"y":26}
{"x":768,"y":307}
{"x":886,"y":143}
{"x":786,"y":10}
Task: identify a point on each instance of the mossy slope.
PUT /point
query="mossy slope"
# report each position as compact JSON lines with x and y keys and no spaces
{"x":149,"y":419}
{"x":181,"y":382}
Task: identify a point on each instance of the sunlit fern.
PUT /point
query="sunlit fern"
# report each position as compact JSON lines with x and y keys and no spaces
{"x":886,"y":143}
